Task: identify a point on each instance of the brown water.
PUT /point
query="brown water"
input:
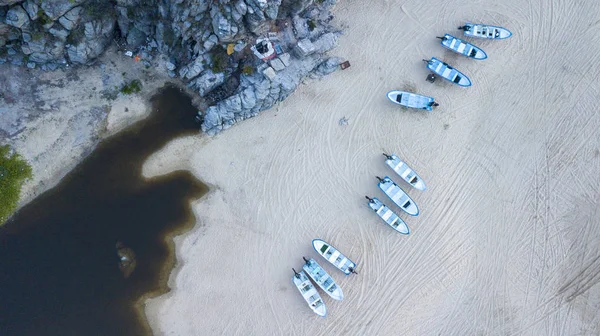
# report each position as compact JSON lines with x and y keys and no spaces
{"x":59,"y":271}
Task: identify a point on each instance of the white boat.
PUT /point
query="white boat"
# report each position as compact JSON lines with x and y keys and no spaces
{"x":322,"y":279}
{"x":398,"y":196}
{"x":388,"y":215}
{"x":485,"y":31}
{"x":309,"y":293}
{"x":335,"y":257}
{"x":464,"y":48}
{"x":413,"y":100}
{"x":403,"y":170}
{"x":447,"y":72}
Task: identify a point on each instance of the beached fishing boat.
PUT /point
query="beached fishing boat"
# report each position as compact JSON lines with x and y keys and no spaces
{"x":404,"y":171}
{"x":398,"y":196}
{"x":388,"y":215}
{"x":323,"y":279}
{"x":447,"y":72}
{"x":485,"y":31}
{"x":309,"y":293}
{"x":335,"y":257}
{"x":413,"y":100}
{"x":464,"y":48}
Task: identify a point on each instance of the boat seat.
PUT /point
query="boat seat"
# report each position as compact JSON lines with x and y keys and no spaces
{"x":457,"y":79}
{"x":399,"y":98}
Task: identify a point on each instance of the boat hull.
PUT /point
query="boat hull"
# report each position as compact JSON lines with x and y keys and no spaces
{"x":323,"y":279}
{"x":411,"y":100}
{"x":335,"y":257}
{"x":405,"y":172}
{"x":310,"y":294}
{"x":464,"y":48}
{"x":486,"y":31}
{"x":388,"y":216}
{"x":448,"y":73}
{"x":398,"y":196}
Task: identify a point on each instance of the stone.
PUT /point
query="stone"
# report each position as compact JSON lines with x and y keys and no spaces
{"x":328,"y":66}
{"x":300,"y":27}
{"x":277,"y":64}
{"x":59,"y":32}
{"x":239,"y":46}
{"x":304,"y":48}
{"x":71,"y":18}
{"x":269,"y":73}
{"x":248,"y":98}
{"x":57,"y":8}
{"x":326,"y":42}
{"x":195,"y":68}
{"x":285,"y":59}
{"x":135,"y":37}
{"x":8,"y":2}
{"x":222,"y":27}
{"x":208,"y":81}
{"x":172,"y":74}
{"x":17,"y":17}
{"x":170,"y":66}
{"x":31,"y":65}
{"x":31,"y":8}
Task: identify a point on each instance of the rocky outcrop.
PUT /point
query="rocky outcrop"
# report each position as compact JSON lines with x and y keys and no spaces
{"x":207,"y":43}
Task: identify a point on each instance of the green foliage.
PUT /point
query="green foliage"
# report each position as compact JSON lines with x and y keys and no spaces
{"x":134,"y":86}
{"x":220,"y":59}
{"x":311,"y":25}
{"x":248,"y":70}
{"x":36,"y":36}
{"x":13,"y":172}
{"x":43,"y":18}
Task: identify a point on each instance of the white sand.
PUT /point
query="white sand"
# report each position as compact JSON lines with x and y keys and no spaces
{"x":507,"y":242}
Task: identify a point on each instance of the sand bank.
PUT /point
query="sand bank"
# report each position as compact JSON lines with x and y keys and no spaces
{"x":507,"y":241}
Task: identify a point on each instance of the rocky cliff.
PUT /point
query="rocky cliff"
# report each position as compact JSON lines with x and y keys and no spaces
{"x":210,"y":44}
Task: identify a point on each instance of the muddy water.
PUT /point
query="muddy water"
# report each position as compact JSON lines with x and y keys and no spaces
{"x":59,"y":267}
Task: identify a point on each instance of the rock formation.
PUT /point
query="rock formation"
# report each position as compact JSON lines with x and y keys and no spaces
{"x":210,"y":44}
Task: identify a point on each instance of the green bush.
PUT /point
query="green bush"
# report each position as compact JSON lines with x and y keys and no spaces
{"x":311,"y":25}
{"x":13,"y":172}
{"x":220,"y":59}
{"x":134,"y":86}
{"x":247,"y":70}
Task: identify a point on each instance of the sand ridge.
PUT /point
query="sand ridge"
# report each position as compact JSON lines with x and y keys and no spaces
{"x":507,"y":241}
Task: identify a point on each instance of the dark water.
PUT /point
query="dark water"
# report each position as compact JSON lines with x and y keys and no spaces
{"x":59,"y":271}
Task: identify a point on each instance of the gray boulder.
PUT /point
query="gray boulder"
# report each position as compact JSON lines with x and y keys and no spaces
{"x":57,"y":8}
{"x":305,"y":48}
{"x":8,"y":2}
{"x":224,"y":28}
{"x":301,"y":27}
{"x":59,"y":32}
{"x":135,"y":37}
{"x":71,"y":18}
{"x":31,"y":8}
{"x":98,"y":35}
{"x":326,"y":42}
{"x":328,"y":66}
{"x":17,"y":17}
{"x":208,"y":81}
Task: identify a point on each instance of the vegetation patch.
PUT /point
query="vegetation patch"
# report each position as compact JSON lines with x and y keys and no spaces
{"x":311,"y":25}
{"x":248,"y":70}
{"x":13,"y":172}
{"x":43,"y":18}
{"x":220,"y":59}
{"x":134,"y":86}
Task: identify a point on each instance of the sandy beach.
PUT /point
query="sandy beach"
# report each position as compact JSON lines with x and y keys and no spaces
{"x":507,"y":242}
